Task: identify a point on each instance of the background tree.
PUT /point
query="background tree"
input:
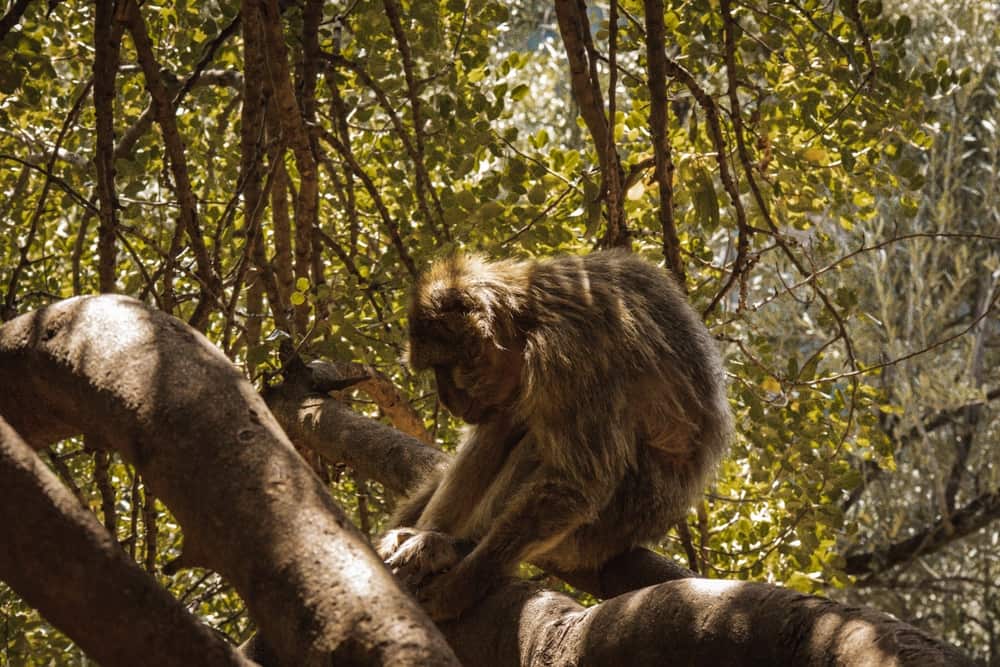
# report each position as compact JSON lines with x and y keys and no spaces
{"x":823,"y":177}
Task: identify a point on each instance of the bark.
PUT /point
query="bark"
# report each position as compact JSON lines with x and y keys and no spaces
{"x":375,"y":450}
{"x":13,"y":15}
{"x":574,"y":27}
{"x":662,"y":613}
{"x":257,"y":91}
{"x":688,"y":622}
{"x":379,"y":388}
{"x":107,"y":44}
{"x":295,"y":132}
{"x":662,"y":152}
{"x":58,"y":558}
{"x":205,"y":443}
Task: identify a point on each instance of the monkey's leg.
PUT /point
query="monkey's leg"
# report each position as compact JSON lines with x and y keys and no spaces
{"x":541,"y":515}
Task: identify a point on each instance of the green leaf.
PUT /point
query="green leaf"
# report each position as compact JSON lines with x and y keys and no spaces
{"x":537,"y":194}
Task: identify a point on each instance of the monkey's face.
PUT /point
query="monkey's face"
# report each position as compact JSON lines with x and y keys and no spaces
{"x":475,"y":378}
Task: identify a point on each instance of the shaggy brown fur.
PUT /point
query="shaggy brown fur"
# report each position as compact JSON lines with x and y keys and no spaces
{"x":599,"y":412}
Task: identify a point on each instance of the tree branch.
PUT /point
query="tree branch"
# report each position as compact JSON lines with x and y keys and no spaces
{"x":424,"y":186}
{"x":982,"y":511}
{"x":165,"y":113}
{"x":204,"y":441}
{"x":574,"y":27}
{"x":136,"y":622}
{"x":13,"y":15}
{"x":662,"y":153}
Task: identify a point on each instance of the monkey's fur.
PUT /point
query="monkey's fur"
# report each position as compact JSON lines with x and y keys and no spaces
{"x":598,"y":410}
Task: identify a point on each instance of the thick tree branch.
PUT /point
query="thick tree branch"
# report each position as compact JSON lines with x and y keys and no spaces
{"x":380,"y":388}
{"x":65,"y":564}
{"x":688,"y":622}
{"x":204,"y":441}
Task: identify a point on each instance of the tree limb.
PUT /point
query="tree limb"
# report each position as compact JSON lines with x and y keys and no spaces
{"x":662,"y":154}
{"x":13,"y":15}
{"x":982,"y":511}
{"x":204,"y":441}
{"x":65,"y":564}
{"x":165,"y":114}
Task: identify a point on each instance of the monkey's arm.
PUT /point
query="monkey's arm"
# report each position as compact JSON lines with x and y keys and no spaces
{"x":464,"y":484}
{"x":409,"y":509}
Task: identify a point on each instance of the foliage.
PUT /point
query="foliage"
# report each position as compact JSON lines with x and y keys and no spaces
{"x":853,"y":142}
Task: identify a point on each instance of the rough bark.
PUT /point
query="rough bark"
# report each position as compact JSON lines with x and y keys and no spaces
{"x":206,"y":444}
{"x":58,"y":558}
{"x":674,"y":618}
{"x":375,"y":450}
{"x":379,"y":388}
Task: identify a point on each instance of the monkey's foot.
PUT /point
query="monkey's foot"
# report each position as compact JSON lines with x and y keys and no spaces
{"x":414,"y":554}
{"x":392,"y":541}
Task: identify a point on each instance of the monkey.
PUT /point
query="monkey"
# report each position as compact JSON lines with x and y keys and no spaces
{"x":597,"y":412}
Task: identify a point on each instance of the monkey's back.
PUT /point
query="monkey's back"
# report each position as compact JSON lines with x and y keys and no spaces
{"x":617,"y":359}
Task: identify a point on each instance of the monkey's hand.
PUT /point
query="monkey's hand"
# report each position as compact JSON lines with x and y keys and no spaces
{"x":447,"y":595}
{"x":414,"y":554}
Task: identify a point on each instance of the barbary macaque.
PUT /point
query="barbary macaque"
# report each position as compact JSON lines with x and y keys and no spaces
{"x":598,"y":412}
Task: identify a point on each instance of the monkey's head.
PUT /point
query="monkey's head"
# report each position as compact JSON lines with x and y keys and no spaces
{"x":463,"y":325}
